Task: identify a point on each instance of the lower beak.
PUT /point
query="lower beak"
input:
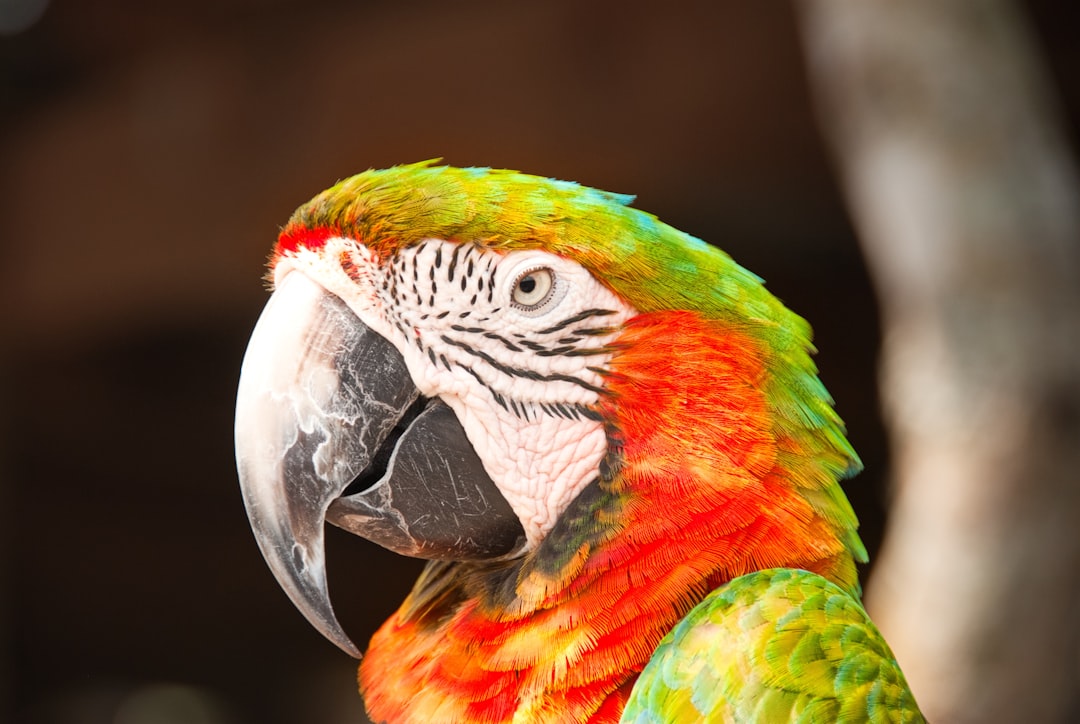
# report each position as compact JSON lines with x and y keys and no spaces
{"x":325,"y":403}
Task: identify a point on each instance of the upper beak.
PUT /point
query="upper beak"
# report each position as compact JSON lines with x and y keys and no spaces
{"x":319,"y":398}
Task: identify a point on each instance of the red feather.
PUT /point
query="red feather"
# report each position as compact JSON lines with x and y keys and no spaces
{"x":705,"y":489}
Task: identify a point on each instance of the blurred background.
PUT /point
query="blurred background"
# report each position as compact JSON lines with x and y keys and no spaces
{"x":149,"y":153}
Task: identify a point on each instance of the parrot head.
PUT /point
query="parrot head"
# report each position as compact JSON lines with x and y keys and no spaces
{"x":453,"y":359}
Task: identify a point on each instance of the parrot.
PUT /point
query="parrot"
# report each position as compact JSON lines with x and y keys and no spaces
{"x":608,"y":441}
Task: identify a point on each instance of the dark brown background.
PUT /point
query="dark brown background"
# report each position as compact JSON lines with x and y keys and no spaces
{"x":149,"y":152}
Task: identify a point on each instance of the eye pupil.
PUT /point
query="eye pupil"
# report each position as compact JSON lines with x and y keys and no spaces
{"x":533,"y":289}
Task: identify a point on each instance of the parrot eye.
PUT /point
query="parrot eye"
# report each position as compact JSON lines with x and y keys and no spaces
{"x":533,"y":288}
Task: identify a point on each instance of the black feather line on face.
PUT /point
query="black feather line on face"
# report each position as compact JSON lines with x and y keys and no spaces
{"x":453,"y":263}
{"x":518,"y":372}
{"x":503,"y":340}
{"x":580,"y":316}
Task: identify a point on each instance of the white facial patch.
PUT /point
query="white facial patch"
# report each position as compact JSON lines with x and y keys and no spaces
{"x":510,"y":341}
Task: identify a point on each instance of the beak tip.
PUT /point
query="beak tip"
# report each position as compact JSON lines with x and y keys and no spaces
{"x":300,"y":570}
{"x":350,"y":648}
{"x":311,"y":597}
{"x":332,"y":630}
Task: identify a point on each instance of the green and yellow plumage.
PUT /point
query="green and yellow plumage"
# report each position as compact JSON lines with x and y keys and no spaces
{"x":779,"y":645}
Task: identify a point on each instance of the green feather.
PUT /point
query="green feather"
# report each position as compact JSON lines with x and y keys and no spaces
{"x":779,"y":645}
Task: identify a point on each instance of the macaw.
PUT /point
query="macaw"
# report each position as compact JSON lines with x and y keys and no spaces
{"x":605,"y":436}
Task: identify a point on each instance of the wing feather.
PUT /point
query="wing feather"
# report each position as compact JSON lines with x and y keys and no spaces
{"x":779,"y":645}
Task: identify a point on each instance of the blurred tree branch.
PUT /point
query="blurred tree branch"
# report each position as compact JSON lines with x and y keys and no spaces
{"x":964,"y":192}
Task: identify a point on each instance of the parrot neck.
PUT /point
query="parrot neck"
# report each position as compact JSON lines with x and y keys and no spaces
{"x":704,"y":480}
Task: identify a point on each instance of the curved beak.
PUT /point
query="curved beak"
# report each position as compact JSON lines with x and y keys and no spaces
{"x":325,"y":403}
{"x":318,"y":392}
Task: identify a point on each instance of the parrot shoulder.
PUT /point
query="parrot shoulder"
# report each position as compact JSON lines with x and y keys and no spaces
{"x":775,"y":645}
